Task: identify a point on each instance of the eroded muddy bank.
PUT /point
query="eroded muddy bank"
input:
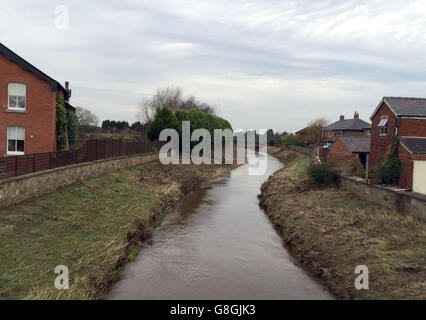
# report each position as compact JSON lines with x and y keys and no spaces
{"x":332,"y":231}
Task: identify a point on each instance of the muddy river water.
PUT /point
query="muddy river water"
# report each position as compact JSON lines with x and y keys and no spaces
{"x":218,"y":244}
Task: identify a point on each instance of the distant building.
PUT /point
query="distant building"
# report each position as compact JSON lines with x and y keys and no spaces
{"x":347,"y":148}
{"x":405,"y":118}
{"x":303,"y":135}
{"x":345,"y":127}
{"x":27,"y":106}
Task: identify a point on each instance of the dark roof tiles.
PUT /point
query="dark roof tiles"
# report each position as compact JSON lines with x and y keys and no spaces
{"x":408,"y":107}
{"x":356,"y":144}
{"x":414,"y":145}
{"x":404,"y":107}
{"x":349,"y":124}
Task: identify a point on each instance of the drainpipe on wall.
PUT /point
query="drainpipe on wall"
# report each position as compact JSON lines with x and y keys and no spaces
{"x":398,"y":123}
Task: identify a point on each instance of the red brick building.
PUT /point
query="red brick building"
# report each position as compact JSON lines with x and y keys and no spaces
{"x":345,"y":127}
{"x":406,"y":118}
{"x":303,"y":135}
{"x":345,"y":149}
{"x":27,"y":106}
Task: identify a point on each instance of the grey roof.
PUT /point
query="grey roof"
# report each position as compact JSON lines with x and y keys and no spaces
{"x":415,"y":145}
{"x":348,"y":124}
{"x":25,"y":65}
{"x":405,"y":107}
{"x":356,"y":144}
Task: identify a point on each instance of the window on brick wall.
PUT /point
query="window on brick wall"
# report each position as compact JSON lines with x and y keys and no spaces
{"x":17,"y":93}
{"x":383,"y":125}
{"x":15,"y":140}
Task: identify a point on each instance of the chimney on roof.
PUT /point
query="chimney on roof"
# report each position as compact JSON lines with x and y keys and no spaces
{"x":356,"y":115}
{"x":342,"y":117}
{"x":67,"y":88}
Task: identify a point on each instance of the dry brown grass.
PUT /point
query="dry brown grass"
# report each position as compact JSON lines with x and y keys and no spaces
{"x":332,"y":231}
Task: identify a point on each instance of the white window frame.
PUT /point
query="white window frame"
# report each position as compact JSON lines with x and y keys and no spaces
{"x":8,"y":99}
{"x":384,"y":130}
{"x":383,"y":122}
{"x":383,"y":125}
{"x":14,"y":153}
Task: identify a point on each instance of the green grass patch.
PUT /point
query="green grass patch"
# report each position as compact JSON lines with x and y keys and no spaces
{"x":302,"y":166}
{"x":83,"y":226}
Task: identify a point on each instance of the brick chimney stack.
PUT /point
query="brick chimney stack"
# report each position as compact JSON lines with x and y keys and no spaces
{"x":67,"y":88}
{"x":356,"y":115}
{"x":342,"y":117}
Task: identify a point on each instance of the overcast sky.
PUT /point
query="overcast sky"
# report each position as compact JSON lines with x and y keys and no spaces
{"x":265,"y":64}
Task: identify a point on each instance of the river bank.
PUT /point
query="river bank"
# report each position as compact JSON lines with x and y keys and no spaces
{"x":94,"y":228}
{"x":217,"y":243}
{"x":332,"y":231}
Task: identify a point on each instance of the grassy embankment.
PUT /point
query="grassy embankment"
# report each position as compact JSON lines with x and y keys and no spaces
{"x":332,"y":231}
{"x":93,"y":227}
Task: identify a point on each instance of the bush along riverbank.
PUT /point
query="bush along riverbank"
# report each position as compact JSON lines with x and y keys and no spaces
{"x":93,"y":228}
{"x":332,"y":231}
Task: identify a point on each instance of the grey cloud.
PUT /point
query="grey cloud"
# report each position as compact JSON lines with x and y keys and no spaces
{"x":116,"y":52}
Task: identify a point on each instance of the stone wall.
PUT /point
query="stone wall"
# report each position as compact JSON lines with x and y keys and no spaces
{"x":407,"y":203}
{"x":17,"y":189}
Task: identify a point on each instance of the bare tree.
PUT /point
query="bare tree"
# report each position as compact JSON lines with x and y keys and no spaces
{"x":86,"y":117}
{"x":172,"y":97}
{"x":146,"y":111}
{"x":313,"y":131}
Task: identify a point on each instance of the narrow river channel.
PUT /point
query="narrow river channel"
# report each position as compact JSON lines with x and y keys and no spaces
{"x":218,"y":244}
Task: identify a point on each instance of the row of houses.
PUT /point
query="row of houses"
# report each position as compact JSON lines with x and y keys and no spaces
{"x":28,"y":123}
{"x":405,"y":118}
{"x":27,"y":106}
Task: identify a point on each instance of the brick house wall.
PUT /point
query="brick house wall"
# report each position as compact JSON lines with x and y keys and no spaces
{"x":340,"y":154}
{"x":338,"y":133}
{"x":406,"y":179}
{"x":412,"y":128}
{"x":323,"y":154}
{"x":302,"y":136}
{"x":409,"y":128}
{"x":380,"y":143}
{"x":39,"y":117}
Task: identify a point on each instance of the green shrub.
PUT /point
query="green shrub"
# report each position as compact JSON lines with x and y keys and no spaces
{"x":61,"y":124}
{"x":164,"y":118}
{"x":322,"y":173}
{"x":389,"y":168}
{"x":389,"y":171}
{"x":291,"y":140}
